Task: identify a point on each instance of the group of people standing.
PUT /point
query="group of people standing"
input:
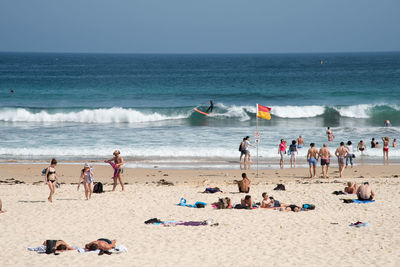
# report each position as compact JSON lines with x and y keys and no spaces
{"x":86,"y":176}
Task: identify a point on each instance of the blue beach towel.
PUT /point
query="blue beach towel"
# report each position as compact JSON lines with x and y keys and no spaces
{"x":359,"y":224}
{"x":363,"y":201}
{"x":183,"y":203}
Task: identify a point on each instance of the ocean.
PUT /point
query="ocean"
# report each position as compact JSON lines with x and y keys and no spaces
{"x":80,"y":107}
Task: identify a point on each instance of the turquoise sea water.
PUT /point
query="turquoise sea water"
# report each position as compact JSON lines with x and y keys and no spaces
{"x":83,"y":106}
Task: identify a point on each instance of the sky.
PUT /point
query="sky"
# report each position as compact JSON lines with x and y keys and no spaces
{"x":202,"y":26}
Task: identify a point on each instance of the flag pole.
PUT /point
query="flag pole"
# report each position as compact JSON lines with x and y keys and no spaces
{"x":258,"y":143}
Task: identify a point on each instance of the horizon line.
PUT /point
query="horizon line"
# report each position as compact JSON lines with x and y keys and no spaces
{"x":199,"y":53}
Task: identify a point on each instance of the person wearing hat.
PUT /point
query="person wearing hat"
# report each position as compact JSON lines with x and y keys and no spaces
{"x":119,"y":162}
{"x":87,"y":176}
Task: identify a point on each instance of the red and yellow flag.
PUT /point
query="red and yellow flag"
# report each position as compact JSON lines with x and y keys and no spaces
{"x":263,"y":112}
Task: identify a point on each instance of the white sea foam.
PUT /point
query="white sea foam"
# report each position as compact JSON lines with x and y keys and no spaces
{"x":109,"y":115}
{"x":297,"y":111}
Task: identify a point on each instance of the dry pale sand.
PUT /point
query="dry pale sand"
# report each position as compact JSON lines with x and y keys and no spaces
{"x":243,"y":238}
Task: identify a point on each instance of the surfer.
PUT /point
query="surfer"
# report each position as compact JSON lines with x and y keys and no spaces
{"x":211,"y":107}
{"x":11,"y":91}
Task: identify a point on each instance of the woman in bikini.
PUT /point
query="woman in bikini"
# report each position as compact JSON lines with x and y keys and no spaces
{"x":386,"y":141}
{"x":51,"y":178}
{"x":88,"y":179}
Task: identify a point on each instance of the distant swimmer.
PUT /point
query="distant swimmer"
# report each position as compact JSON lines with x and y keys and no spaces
{"x":211,"y":107}
{"x":330,"y":134}
{"x":12,"y":91}
{"x":387,"y":123}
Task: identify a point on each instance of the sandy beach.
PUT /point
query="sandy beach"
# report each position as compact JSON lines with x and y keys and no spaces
{"x":243,"y":237}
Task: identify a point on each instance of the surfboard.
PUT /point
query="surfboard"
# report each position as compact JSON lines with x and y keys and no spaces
{"x":199,"y":111}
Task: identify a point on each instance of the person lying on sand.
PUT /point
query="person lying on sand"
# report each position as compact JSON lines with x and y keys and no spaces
{"x":365,"y":192}
{"x":247,"y":202}
{"x":60,"y":246}
{"x":244,"y":184}
{"x":102,"y":244}
{"x":1,"y":207}
{"x":292,"y":207}
{"x":351,"y":188}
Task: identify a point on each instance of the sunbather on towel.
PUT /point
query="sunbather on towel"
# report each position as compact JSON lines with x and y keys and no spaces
{"x":351,"y":188}
{"x":247,"y":202}
{"x":60,"y":246}
{"x":102,"y":244}
{"x":292,"y":207}
{"x":365,"y":192}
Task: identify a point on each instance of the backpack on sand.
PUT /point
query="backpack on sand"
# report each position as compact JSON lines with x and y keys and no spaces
{"x":98,"y":188}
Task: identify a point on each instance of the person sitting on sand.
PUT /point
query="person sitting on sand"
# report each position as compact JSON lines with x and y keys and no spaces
{"x":1,"y":207}
{"x":60,"y":246}
{"x":247,"y":202}
{"x":244,"y":184}
{"x":51,"y":178}
{"x":265,"y":203}
{"x":365,"y":192}
{"x":87,"y":177}
{"x":101,"y":244}
{"x":351,"y":188}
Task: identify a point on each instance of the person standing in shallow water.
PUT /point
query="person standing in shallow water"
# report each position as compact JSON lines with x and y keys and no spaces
{"x":119,"y":161}
{"x":330,"y":134}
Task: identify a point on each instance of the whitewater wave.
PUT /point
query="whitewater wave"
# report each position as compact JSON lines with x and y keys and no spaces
{"x":110,"y":115}
{"x":221,"y":111}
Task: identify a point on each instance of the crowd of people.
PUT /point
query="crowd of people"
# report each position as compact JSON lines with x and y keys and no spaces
{"x":86,"y":176}
{"x":344,"y":153}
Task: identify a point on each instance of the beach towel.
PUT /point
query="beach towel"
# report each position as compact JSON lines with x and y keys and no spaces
{"x":156,"y":221}
{"x":198,"y":204}
{"x":117,"y":249}
{"x":363,"y":201}
{"x":212,"y":190}
{"x":359,"y":224}
{"x":114,"y":166}
{"x":339,"y":193}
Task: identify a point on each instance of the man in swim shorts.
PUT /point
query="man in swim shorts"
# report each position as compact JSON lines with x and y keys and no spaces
{"x":365,"y":192}
{"x":312,"y":160}
{"x":325,"y":154}
{"x":341,"y":152}
{"x":300,"y":142}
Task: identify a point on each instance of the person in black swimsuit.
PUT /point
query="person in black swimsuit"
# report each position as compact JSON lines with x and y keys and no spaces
{"x":211,"y":107}
{"x":51,"y":178}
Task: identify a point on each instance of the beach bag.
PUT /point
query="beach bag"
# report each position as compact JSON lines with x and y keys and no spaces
{"x":51,"y":246}
{"x":44,"y":171}
{"x":280,"y":187}
{"x":98,"y":188}
{"x":240,"y":147}
{"x":309,"y":206}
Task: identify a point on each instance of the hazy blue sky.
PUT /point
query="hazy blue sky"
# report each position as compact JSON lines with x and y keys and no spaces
{"x":202,"y":26}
